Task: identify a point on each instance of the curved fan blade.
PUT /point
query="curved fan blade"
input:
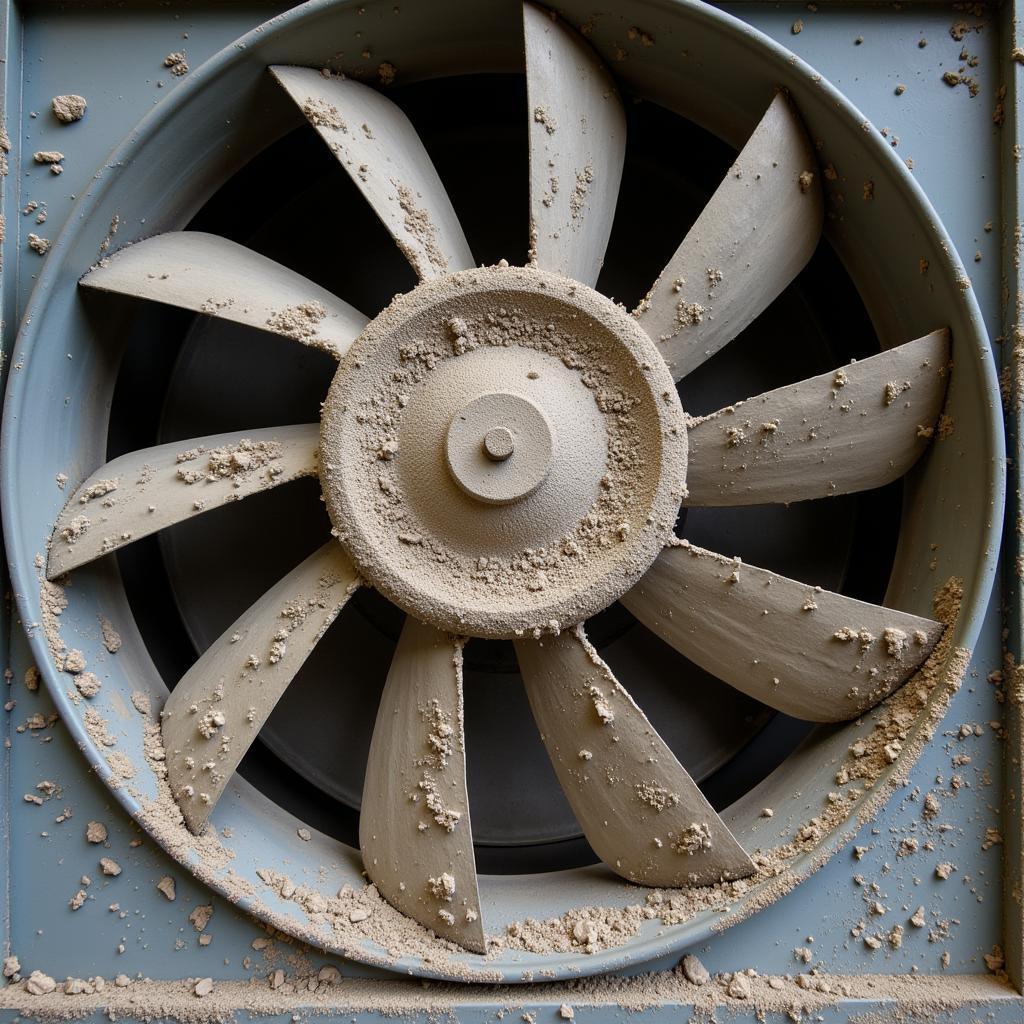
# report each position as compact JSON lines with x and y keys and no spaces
{"x":808,"y":652}
{"x":642,"y":813}
{"x":221,"y":278}
{"x":843,"y":431}
{"x":144,"y":491}
{"x":414,"y":827}
{"x":577,"y":146}
{"x":379,"y":148}
{"x":213,"y":715}
{"x":754,"y":236}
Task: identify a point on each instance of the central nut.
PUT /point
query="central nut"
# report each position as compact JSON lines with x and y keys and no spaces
{"x":499,"y":444}
{"x":503,"y":452}
{"x":517,"y":449}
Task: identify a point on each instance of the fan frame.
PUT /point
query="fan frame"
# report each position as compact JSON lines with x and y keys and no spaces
{"x":27,"y":473}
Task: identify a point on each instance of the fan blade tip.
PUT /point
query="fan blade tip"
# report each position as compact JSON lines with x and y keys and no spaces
{"x":195,"y":812}
{"x":283,"y":71}
{"x":54,"y":571}
{"x":418,"y":852}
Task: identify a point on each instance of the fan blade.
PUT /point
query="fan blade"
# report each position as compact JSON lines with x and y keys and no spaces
{"x":577,"y":147}
{"x":218,"y":277}
{"x":808,"y":652}
{"x":414,"y":827}
{"x":642,"y":813}
{"x":847,"y":430}
{"x":217,"y":709}
{"x":144,"y":491}
{"x":753,"y":237}
{"x":379,"y":148}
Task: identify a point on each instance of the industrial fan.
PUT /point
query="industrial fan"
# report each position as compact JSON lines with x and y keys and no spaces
{"x":503,"y":453}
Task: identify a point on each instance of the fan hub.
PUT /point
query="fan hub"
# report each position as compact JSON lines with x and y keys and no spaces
{"x":503,"y":451}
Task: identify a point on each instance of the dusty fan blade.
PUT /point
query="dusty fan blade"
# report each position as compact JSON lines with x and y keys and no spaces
{"x":754,"y":236}
{"x":379,"y":148}
{"x":577,"y":146}
{"x":144,"y":491}
{"x":847,"y":430}
{"x":808,"y":652}
{"x":218,"y":277}
{"x":642,"y":813}
{"x":214,"y":714}
{"x":414,"y":827}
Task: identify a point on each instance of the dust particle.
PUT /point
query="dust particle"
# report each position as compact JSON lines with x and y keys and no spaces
{"x":68,"y":108}
{"x":694,"y":971}
{"x":542,"y":117}
{"x":111,"y":637}
{"x":176,"y":63}
{"x":96,"y":832}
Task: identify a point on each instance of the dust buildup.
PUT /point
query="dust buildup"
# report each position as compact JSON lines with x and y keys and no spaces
{"x":655,"y":795}
{"x":301,"y":322}
{"x":87,"y":684}
{"x":419,"y":225}
{"x":111,"y":637}
{"x":97,"y":489}
{"x":694,"y":971}
{"x":39,"y":984}
{"x":577,"y":201}
{"x":74,"y":529}
{"x":357,"y":914}
{"x":109,"y":867}
{"x":200,"y":917}
{"x":319,"y":994}
{"x":322,"y":114}
{"x":236,"y":462}
{"x":694,"y":839}
{"x":908,"y":717}
{"x":689,"y":314}
{"x":96,"y":832}
{"x":176,"y":63}
{"x":543,"y":118}
{"x":568,"y":563}
{"x":68,"y":108}
{"x":602,"y":708}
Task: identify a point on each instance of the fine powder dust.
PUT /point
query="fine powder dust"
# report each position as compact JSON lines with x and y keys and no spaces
{"x":357,"y":915}
{"x":614,"y":530}
{"x":323,"y":992}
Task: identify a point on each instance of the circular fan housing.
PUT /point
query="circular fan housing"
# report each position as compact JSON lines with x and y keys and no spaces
{"x":228,"y":111}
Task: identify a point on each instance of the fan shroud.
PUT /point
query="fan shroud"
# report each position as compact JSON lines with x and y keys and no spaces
{"x":953,"y":502}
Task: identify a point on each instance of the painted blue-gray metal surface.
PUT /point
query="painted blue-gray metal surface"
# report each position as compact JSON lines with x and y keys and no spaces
{"x":61,"y":374}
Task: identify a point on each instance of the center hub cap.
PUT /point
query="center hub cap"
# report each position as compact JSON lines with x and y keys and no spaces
{"x":503,"y":452}
{"x":500,"y":448}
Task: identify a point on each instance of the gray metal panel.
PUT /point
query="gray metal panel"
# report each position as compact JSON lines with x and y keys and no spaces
{"x":936,"y":125}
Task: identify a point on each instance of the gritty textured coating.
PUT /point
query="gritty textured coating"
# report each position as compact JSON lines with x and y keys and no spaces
{"x":641,"y":811}
{"x":414,"y":827}
{"x":585,"y":535}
